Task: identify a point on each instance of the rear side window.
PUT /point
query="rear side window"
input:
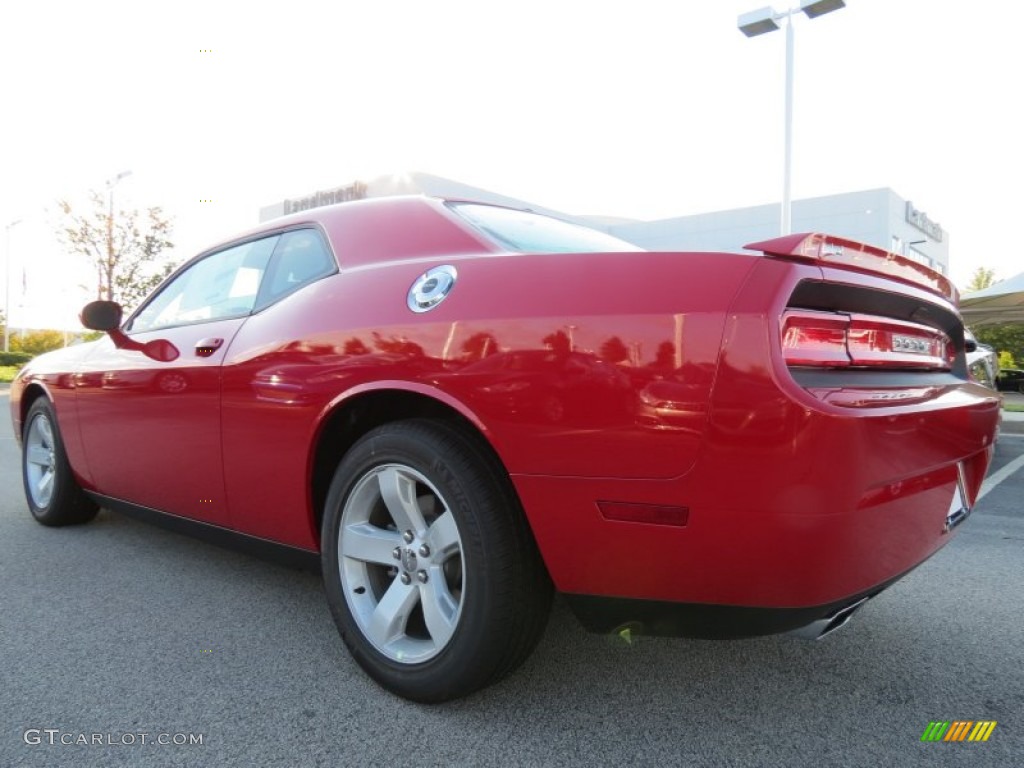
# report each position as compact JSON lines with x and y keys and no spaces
{"x":528,"y":232}
{"x":301,"y":257}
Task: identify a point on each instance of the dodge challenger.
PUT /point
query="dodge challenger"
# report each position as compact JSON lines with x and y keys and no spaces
{"x":454,"y":409}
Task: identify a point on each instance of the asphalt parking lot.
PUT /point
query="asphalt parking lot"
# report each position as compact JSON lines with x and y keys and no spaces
{"x":118,"y":629}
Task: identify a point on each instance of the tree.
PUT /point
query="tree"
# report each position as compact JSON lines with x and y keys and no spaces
{"x":478,"y":346}
{"x":665,"y":357}
{"x":1003,"y":338}
{"x":981,"y":279}
{"x":125,"y":248}
{"x":559,"y":342}
{"x":614,"y":350}
{"x":397,"y":345}
{"x":355,"y":346}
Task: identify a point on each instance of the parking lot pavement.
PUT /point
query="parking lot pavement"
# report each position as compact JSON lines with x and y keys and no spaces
{"x":1013,"y":421}
{"x":118,"y":629}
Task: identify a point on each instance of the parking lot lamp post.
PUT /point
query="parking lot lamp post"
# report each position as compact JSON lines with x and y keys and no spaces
{"x":111,"y":183}
{"x":7,"y":288}
{"x":765,"y":20}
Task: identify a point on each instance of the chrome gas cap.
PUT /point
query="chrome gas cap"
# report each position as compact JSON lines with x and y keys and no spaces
{"x":431,"y":288}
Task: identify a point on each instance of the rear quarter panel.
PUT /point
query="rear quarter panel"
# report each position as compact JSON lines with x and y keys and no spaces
{"x":577,"y":339}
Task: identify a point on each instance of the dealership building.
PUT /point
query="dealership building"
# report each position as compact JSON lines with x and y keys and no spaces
{"x":877,"y":217}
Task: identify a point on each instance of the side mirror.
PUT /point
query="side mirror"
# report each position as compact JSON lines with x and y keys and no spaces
{"x":106,"y":316}
{"x":101,"y":315}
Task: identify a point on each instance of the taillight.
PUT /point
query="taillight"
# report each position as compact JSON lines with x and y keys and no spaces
{"x":815,"y":338}
{"x":837,"y":340}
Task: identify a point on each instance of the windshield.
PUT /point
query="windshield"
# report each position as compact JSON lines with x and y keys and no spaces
{"x":533,"y":233}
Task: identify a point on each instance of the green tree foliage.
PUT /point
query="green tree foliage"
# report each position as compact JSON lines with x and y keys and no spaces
{"x":1007,"y":338}
{"x":1006,"y":360}
{"x":981,"y":279}
{"x":125,"y":248}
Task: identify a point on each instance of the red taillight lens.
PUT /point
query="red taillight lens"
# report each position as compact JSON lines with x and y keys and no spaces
{"x":834,"y":340}
{"x":815,"y":338}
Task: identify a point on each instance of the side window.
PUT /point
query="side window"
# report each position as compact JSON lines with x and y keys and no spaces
{"x":300,"y":258}
{"x":222,"y":285}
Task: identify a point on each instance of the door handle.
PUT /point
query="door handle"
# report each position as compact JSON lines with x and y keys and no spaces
{"x":207,"y":347}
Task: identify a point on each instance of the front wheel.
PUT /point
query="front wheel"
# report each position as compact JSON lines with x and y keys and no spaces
{"x":430,"y":569}
{"x":51,"y":490}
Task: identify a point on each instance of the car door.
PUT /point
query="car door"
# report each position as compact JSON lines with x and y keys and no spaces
{"x":151,"y":429}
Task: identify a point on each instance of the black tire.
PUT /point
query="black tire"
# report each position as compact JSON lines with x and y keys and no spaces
{"x":470,"y":562}
{"x":51,"y":490}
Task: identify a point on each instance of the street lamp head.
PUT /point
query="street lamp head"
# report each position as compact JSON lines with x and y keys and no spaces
{"x":816,"y":8}
{"x":121,"y":175}
{"x":757,"y":22}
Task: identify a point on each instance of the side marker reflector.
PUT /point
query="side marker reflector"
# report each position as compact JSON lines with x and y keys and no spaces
{"x":655,"y":514}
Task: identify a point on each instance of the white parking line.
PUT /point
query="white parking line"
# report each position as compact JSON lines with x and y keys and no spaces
{"x":997,"y":477}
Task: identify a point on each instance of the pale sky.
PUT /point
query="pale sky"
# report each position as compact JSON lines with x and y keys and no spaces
{"x":645,"y":109}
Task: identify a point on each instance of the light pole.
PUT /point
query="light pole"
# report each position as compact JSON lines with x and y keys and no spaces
{"x":765,"y":20}
{"x":111,"y":183}
{"x":7,"y":288}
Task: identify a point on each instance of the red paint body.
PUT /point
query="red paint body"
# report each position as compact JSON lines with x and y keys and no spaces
{"x":639,"y":378}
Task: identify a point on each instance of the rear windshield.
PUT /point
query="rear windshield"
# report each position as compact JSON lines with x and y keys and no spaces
{"x":532,"y":233}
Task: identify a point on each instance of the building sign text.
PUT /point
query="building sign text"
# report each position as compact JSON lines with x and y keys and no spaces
{"x":920,"y":220}
{"x":354,"y":191}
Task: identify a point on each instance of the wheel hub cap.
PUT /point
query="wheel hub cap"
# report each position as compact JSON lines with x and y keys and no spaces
{"x":40,"y":461}
{"x":401,"y":563}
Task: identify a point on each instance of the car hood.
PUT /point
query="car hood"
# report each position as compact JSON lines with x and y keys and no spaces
{"x":66,"y":360}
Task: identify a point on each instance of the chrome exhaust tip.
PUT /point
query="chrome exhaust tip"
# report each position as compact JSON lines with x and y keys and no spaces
{"x":818,"y":630}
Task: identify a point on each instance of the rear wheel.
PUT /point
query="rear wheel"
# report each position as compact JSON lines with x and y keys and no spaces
{"x":431,"y":572}
{"x":51,"y":490}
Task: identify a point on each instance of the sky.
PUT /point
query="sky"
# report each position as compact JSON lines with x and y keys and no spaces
{"x":643,"y":109}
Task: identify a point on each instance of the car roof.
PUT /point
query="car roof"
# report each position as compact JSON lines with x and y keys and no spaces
{"x":386,"y":229}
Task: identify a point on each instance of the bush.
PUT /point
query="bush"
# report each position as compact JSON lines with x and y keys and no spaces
{"x":1004,"y":338}
{"x":16,"y":359}
{"x":36,"y":342}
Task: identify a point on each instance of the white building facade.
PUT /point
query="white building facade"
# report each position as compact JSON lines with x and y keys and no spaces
{"x":877,"y":217}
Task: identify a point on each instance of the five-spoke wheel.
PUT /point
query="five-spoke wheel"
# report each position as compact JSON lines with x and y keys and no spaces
{"x":40,"y":460}
{"x":53,"y":494}
{"x":430,"y":569}
{"x":401,"y":563}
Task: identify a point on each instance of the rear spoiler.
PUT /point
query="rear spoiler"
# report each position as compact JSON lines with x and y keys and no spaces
{"x":826,"y":250}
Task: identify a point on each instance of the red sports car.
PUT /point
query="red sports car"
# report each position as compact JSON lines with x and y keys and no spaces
{"x":454,"y":408}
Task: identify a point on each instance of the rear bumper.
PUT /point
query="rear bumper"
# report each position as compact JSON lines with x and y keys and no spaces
{"x":609,"y":615}
{"x":794,"y":510}
{"x":806,"y":494}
